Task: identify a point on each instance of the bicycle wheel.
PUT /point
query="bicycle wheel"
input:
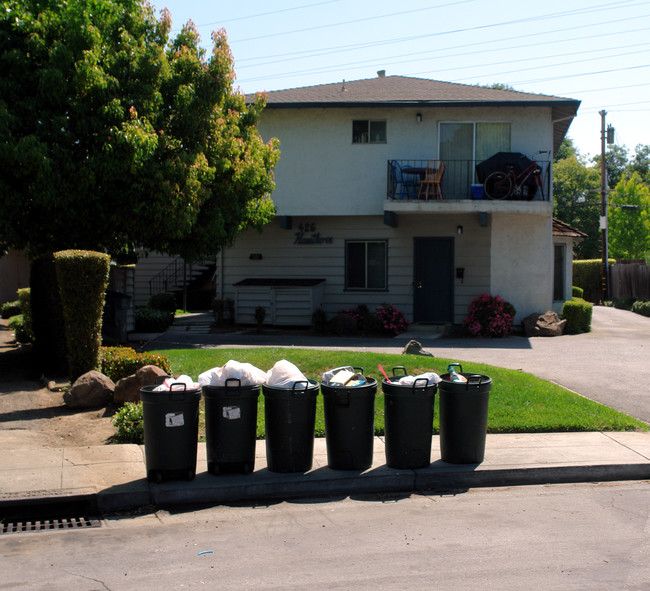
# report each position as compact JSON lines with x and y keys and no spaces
{"x":498,"y":185}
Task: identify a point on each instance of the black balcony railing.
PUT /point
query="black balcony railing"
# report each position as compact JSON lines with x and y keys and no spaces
{"x":459,"y":181}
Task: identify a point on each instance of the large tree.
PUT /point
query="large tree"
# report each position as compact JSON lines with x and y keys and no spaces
{"x":575,"y":189}
{"x":115,"y":136}
{"x":629,"y":220}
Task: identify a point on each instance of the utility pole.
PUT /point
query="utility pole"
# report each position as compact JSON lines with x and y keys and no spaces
{"x":603,"y":208}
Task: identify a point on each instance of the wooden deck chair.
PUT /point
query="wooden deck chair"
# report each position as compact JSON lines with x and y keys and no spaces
{"x":431,"y":185}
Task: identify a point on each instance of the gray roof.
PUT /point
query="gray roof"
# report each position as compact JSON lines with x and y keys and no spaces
{"x":401,"y":91}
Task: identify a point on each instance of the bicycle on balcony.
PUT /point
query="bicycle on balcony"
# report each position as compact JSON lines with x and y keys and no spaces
{"x":510,"y":184}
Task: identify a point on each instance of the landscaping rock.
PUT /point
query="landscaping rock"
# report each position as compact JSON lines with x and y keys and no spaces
{"x":544,"y":325}
{"x":91,"y":390}
{"x":128,"y":389}
{"x":415,"y":348}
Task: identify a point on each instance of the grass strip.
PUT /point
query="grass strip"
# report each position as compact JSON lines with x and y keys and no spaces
{"x":519,"y":402}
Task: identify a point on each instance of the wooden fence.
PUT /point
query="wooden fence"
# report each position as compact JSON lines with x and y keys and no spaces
{"x":630,"y":280}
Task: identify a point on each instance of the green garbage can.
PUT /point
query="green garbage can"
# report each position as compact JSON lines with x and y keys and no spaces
{"x":463,"y":418}
{"x":171,"y":431}
{"x":231,"y":426}
{"x":290,"y":420}
{"x":349,"y":424}
{"x":408,"y":421}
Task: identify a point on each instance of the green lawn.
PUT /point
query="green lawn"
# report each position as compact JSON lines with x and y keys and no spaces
{"x":519,"y":402}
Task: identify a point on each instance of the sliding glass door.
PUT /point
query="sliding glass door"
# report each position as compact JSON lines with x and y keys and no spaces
{"x":462,"y":146}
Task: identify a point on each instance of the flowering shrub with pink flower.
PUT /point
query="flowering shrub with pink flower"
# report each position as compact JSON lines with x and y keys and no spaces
{"x":391,"y":319}
{"x":489,"y":316}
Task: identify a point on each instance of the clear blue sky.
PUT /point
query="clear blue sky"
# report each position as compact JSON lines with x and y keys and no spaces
{"x":591,"y":50}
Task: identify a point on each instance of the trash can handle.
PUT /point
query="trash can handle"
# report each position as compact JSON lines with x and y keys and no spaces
{"x":359,"y":369}
{"x":477,"y":378}
{"x":293,"y":390}
{"x":171,"y":386}
{"x":415,"y":383}
{"x":458,"y":365}
{"x":399,"y":367}
{"x":237,"y":388}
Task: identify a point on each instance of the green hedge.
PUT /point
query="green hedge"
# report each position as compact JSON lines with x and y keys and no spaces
{"x":587,"y":275}
{"x":10,"y":309}
{"x":47,"y":316}
{"x":82,"y":277}
{"x":121,"y":362}
{"x":162,"y":301}
{"x":577,"y":313}
{"x":578,"y":292}
{"x":26,"y":311}
{"x":642,"y":308}
{"x":150,"y":320}
{"x":17,"y":324}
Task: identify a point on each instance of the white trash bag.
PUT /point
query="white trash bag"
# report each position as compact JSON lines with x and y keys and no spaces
{"x":432,"y":378}
{"x":246,"y":373}
{"x":172,"y":383}
{"x":284,"y":374}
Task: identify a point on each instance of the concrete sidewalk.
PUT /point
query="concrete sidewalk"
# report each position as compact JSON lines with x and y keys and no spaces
{"x":113,"y":478}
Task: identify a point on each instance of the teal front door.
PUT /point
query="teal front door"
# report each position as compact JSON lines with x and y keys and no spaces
{"x":433,"y":280}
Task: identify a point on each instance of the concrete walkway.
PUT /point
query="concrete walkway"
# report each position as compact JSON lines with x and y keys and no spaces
{"x":113,"y":478}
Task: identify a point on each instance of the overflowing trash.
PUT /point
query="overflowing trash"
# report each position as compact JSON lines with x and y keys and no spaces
{"x":246,"y":373}
{"x":431,"y":378}
{"x":344,"y":376}
{"x":175,"y":383}
{"x":284,"y":374}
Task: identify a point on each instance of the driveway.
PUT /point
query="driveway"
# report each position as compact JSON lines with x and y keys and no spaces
{"x":610,"y":364}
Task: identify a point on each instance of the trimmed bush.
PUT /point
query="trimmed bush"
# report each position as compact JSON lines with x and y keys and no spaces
{"x":578,"y":314}
{"x":17,"y":324}
{"x":26,"y":311}
{"x":319,"y":321}
{"x":587,"y":274}
{"x":162,"y":301}
{"x":343,"y":325}
{"x":129,"y":422}
{"x":47,"y":316}
{"x":642,"y":308}
{"x":10,"y":309}
{"x":577,"y":292}
{"x":121,"y":362}
{"x":391,"y":320}
{"x":150,"y":320}
{"x":82,"y":276}
{"x":490,"y":316}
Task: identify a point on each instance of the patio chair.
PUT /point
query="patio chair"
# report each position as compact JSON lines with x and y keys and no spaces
{"x":431,"y":185}
{"x":404,"y":186}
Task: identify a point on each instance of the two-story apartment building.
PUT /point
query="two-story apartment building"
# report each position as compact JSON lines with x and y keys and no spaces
{"x":353,"y":227}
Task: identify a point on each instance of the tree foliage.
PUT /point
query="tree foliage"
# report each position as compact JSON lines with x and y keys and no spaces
{"x":577,"y":192}
{"x":629,"y":230}
{"x":114,"y":135}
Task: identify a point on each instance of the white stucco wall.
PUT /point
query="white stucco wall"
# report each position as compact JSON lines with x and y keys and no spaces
{"x":321,"y":172}
{"x":522,"y":262}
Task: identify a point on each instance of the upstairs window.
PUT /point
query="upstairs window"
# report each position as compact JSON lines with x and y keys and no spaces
{"x":365,"y":131}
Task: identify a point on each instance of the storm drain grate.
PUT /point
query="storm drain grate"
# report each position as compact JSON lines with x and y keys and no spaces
{"x":58,"y":523}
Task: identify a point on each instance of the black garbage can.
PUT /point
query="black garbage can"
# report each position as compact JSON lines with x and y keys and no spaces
{"x":463,"y":418}
{"x":290,"y":419}
{"x":408,"y":421}
{"x":350,"y":424}
{"x":171,"y":431}
{"x":231,"y":426}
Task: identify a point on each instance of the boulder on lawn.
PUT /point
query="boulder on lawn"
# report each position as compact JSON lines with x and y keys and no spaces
{"x":91,"y":390}
{"x":544,"y":325}
{"x":128,"y":389}
{"x":415,"y":348}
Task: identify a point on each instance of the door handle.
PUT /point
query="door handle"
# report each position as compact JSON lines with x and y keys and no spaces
{"x":418,"y":284}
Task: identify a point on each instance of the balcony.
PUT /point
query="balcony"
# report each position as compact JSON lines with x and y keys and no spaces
{"x":461,"y":182}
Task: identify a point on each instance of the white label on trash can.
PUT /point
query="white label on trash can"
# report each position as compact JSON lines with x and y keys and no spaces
{"x":174,"y":419}
{"x":231,"y":412}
